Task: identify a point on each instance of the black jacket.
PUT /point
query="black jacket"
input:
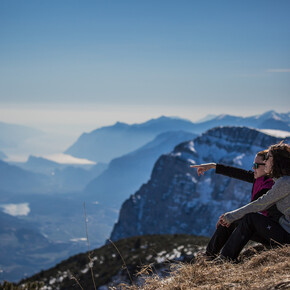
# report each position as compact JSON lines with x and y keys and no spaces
{"x":248,"y":176}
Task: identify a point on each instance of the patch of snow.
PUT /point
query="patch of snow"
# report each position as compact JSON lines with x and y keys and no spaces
{"x":175,"y":254}
{"x":85,"y":270}
{"x":78,"y":240}
{"x":16,"y":209}
{"x":67,"y":159}
{"x":160,"y":259}
{"x":207,"y":118}
{"x":149,"y":257}
{"x":191,"y":161}
{"x":220,"y":117}
{"x":46,"y":288}
{"x":176,"y":154}
{"x":238,"y":159}
{"x":161,"y":253}
{"x":191,"y":146}
{"x":191,"y":178}
{"x":276,"y":133}
{"x":52,"y":281}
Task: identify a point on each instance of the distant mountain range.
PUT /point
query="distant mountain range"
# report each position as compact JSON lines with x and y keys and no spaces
{"x":53,"y":230}
{"x":2,"y":155}
{"x":12,"y":135}
{"x":268,"y":120}
{"x":55,"y":193}
{"x":17,"y":180}
{"x":63,"y":177}
{"x":176,"y":200}
{"x":107,"y":143}
{"x":125,"y":174}
{"x":39,"y":175}
{"x":100,"y":144}
{"x":24,"y":249}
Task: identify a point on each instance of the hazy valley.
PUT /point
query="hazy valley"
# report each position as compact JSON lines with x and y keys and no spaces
{"x":137,"y":183}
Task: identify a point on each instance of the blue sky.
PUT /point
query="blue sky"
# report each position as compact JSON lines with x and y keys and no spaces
{"x":84,"y":64}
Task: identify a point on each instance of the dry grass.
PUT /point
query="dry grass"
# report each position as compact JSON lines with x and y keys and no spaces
{"x":269,"y":269}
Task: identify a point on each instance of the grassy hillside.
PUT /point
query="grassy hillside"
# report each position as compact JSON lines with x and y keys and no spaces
{"x":163,"y":262}
{"x":119,"y":262}
{"x":268,"y":269}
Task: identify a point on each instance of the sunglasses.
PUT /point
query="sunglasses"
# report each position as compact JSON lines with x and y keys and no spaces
{"x":256,"y":165}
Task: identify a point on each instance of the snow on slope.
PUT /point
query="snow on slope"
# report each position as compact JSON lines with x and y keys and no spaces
{"x":276,"y":133}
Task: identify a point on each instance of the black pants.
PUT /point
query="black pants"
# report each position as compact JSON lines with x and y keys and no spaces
{"x":252,"y":226}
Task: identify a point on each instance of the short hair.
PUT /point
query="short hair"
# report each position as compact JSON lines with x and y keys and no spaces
{"x":281,"y":159}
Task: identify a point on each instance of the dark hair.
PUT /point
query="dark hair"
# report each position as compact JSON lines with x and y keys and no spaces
{"x":281,"y":159}
{"x":263,"y":153}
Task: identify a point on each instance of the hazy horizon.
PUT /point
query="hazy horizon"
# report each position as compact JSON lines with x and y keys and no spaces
{"x":69,"y":67}
{"x":74,"y":120}
{"x":52,"y":143}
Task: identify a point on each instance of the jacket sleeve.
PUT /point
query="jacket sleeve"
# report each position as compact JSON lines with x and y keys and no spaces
{"x":278,"y":191}
{"x":235,"y":172}
{"x":272,"y":212}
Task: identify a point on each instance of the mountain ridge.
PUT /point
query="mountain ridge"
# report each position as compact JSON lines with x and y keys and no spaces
{"x":192,"y":204}
{"x":125,"y":174}
{"x":12,"y":134}
{"x":98,"y":145}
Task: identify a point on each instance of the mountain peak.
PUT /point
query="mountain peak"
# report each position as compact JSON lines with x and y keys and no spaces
{"x":120,"y":125}
{"x":163,"y":118}
{"x":226,"y":116}
{"x":270,"y":115}
{"x":192,"y":204}
{"x":208,"y":117}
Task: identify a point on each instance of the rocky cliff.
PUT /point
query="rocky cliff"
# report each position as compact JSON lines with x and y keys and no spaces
{"x":176,"y":200}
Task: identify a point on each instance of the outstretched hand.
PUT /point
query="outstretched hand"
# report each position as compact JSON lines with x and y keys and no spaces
{"x":202,"y":168}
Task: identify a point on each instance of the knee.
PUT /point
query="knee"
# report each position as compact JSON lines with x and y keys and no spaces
{"x":221,"y":229}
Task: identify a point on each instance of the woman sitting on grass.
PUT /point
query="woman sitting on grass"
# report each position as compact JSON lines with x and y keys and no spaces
{"x":277,"y":165}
